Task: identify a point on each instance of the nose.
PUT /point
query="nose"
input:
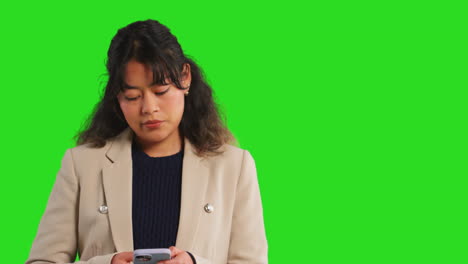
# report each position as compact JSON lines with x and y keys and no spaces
{"x":150,"y":104}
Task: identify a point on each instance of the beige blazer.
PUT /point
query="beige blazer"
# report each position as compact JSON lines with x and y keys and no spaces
{"x":74,"y":221}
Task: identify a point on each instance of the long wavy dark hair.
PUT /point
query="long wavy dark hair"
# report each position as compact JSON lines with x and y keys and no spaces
{"x":151,"y":43}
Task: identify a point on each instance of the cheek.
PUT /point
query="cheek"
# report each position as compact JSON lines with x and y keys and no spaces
{"x":130,"y":111}
{"x":176,"y":106}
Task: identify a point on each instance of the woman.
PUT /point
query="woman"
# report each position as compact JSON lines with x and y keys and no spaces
{"x":154,"y":168}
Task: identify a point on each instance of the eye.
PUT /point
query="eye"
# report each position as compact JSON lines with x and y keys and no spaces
{"x":163,"y":92}
{"x":131,"y":98}
{"x":130,"y":94}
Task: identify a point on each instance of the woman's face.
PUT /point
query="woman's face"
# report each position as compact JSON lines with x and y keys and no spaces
{"x":142,"y":102}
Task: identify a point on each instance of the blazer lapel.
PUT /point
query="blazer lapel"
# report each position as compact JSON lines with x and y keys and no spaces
{"x":117,"y":181}
{"x":194,"y":186}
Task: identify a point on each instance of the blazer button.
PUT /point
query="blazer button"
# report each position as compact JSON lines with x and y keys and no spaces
{"x":209,"y":208}
{"x":103,"y":209}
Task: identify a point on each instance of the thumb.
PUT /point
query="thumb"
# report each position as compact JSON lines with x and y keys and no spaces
{"x":174,"y":251}
{"x":127,"y":256}
{"x":122,"y":257}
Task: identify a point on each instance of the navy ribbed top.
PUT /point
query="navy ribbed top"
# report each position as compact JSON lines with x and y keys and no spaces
{"x":155,"y":199}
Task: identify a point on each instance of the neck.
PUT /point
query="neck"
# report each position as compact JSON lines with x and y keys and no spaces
{"x":167,"y":147}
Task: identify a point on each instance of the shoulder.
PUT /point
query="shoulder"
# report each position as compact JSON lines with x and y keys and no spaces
{"x":87,"y":151}
{"x":230,"y":150}
{"x":114,"y":146}
{"x":230,"y":156}
{"x":86,"y":158}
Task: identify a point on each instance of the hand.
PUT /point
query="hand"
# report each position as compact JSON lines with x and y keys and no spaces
{"x":123,"y":258}
{"x":178,"y":256}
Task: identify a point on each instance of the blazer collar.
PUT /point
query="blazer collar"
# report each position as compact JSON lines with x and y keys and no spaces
{"x":117,"y":181}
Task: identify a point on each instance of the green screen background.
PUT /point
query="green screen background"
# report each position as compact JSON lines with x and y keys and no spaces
{"x":355,"y":113}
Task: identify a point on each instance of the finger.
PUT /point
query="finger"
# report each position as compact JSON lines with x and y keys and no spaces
{"x":175,"y":251}
{"x":171,"y":261}
{"x":128,"y":256}
{"x":179,"y":259}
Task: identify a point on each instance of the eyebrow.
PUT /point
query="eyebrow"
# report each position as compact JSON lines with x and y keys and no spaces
{"x":126,"y":86}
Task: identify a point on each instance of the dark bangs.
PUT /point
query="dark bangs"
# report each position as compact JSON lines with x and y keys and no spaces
{"x":163,"y":62}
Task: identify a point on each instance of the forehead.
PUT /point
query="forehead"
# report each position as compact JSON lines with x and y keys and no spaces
{"x":137,"y":73}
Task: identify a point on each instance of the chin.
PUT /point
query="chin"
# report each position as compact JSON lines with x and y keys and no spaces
{"x":153,"y":136}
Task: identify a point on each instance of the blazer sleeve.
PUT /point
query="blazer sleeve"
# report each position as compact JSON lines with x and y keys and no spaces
{"x":248,"y":239}
{"x":57,"y":236}
{"x":200,"y":260}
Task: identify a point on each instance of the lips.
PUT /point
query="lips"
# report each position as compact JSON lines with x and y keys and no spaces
{"x":152,"y":122}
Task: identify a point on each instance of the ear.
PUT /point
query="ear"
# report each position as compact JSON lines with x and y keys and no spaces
{"x":186,"y":75}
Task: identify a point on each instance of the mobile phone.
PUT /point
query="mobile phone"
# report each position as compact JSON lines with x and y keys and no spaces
{"x":151,"y":255}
